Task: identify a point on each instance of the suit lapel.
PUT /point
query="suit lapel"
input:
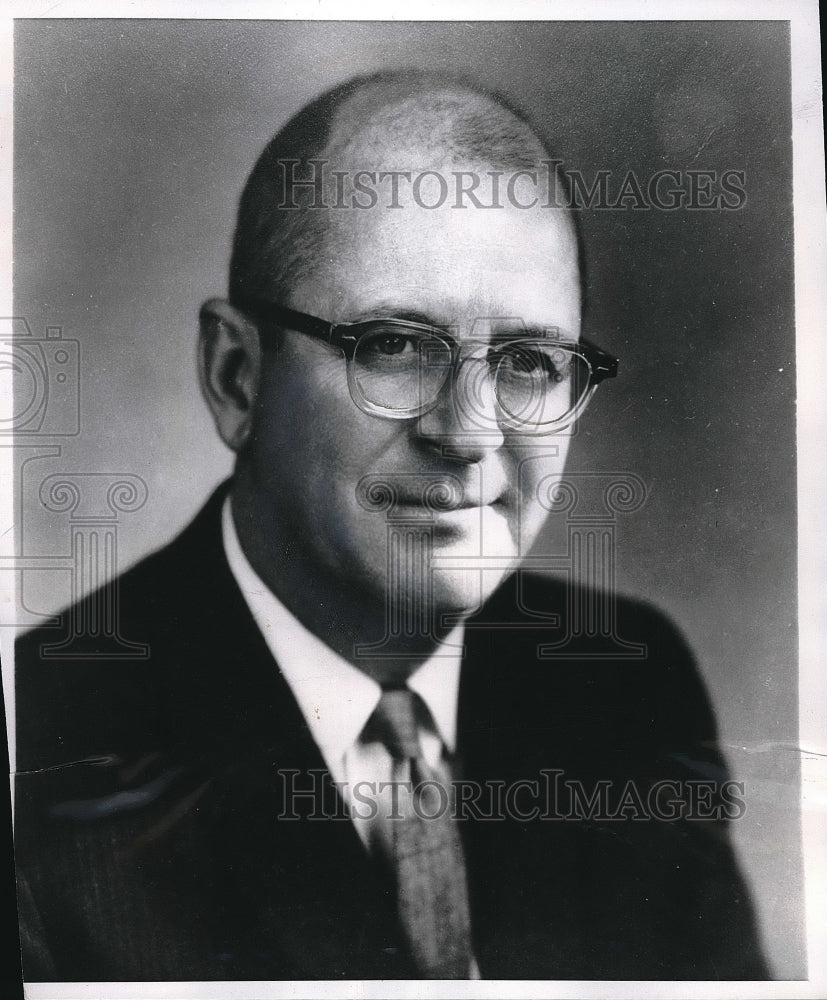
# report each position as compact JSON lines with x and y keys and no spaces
{"x":512,"y":865}
{"x":304,"y":894}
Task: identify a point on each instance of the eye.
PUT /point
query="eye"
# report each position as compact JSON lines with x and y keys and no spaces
{"x":391,"y":343}
{"x":534,"y":361}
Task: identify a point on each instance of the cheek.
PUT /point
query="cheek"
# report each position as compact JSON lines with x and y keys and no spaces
{"x":314,"y":445}
{"x":303,"y":411}
{"x":536,"y":476}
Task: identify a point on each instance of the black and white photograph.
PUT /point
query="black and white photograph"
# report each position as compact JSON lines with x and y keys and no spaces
{"x":411,"y":567}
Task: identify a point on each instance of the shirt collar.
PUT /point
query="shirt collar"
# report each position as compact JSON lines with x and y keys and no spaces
{"x":336,"y":698}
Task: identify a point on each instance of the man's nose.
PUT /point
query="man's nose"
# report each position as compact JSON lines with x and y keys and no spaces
{"x":464,"y":422}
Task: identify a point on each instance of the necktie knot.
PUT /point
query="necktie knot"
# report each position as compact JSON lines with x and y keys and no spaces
{"x":394,"y":723}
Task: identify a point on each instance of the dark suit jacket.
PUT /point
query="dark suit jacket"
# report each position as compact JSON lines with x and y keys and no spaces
{"x":152,"y":842}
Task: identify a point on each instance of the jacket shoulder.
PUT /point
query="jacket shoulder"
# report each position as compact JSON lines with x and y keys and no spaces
{"x":590,"y":667}
{"x":95,"y":678}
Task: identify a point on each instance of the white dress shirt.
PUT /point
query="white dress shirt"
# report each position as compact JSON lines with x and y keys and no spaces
{"x":337,"y":699}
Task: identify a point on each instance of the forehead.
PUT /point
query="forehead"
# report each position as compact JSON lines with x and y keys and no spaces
{"x":454,"y":265}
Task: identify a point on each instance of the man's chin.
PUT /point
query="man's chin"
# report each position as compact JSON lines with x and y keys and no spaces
{"x":447,"y":572}
{"x":467,"y":570}
{"x":461,"y":593}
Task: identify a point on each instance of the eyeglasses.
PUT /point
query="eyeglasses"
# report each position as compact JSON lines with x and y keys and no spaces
{"x":397,"y":369}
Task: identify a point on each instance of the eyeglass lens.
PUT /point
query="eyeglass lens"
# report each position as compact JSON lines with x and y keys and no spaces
{"x":535,"y":382}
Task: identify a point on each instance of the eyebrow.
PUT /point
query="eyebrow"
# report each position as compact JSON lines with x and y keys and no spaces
{"x":390,"y":311}
{"x":509,"y":328}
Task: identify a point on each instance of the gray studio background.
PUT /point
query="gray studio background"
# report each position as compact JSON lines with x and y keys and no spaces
{"x":132,"y":142}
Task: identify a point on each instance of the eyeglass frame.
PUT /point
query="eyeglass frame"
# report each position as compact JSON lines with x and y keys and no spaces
{"x":346,"y":336}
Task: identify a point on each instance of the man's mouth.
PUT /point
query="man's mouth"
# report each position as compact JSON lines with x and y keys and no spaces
{"x":445,"y":497}
{"x":433,"y":494}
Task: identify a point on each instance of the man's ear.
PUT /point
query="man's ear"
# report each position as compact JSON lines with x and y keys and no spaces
{"x":229,"y":369}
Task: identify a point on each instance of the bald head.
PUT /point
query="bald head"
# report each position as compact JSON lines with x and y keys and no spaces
{"x":408,"y":123}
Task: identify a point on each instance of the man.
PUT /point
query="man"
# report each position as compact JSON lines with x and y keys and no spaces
{"x":346,"y":754}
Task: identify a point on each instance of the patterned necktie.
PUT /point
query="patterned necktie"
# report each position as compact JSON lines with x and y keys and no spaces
{"x":425,"y":850}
